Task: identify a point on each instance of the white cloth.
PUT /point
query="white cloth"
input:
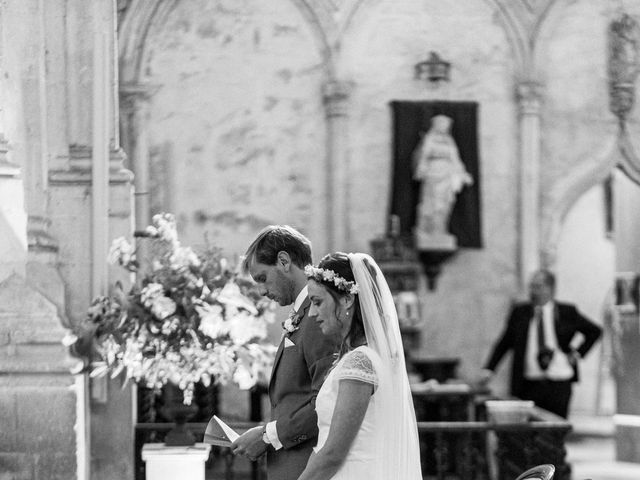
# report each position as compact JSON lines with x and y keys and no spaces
{"x":559,"y":368}
{"x":271,"y":428}
{"x":386,"y":446}
{"x":355,"y":365}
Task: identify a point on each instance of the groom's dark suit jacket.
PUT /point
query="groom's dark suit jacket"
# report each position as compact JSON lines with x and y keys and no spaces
{"x":298,"y":373}
{"x":567,"y":321}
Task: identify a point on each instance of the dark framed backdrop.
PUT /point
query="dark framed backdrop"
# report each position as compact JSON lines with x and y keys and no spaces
{"x":409,"y":120}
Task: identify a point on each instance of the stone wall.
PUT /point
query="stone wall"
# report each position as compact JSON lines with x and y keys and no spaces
{"x":238,"y":136}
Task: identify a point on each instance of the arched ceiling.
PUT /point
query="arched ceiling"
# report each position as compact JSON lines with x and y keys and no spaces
{"x":521,"y":19}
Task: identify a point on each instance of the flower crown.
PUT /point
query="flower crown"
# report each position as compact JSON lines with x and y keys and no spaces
{"x":325,"y":275}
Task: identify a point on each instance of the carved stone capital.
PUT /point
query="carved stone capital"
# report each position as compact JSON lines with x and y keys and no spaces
{"x":621,"y":98}
{"x":7,"y":169}
{"x":336,"y":95}
{"x":38,"y":236}
{"x":80,"y":167}
{"x":529,"y":95}
{"x":623,"y":64}
{"x":132,"y":95}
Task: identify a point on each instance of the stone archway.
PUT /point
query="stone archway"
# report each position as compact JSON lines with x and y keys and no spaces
{"x":566,"y":194}
{"x":139,"y":20}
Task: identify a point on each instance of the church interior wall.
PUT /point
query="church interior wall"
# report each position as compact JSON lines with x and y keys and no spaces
{"x":586,"y":267}
{"x":239,"y":138}
{"x":239,"y":116}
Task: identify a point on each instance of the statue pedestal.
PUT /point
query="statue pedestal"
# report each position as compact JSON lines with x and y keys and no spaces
{"x":435,"y":241}
{"x":169,"y":463}
{"x":433,"y":249}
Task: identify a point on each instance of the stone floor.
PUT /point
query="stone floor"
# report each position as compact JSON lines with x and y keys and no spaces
{"x":591,"y":451}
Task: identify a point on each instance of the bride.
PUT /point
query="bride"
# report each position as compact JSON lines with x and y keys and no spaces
{"x":366,"y":422}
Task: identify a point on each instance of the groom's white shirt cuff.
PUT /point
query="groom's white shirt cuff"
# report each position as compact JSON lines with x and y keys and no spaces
{"x":272,"y":435}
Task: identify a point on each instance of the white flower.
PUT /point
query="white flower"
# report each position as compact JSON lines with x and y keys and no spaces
{"x":242,"y":376}
{"x":245,"y":327}
{"x":151,"y":231}
{"x":150,"y":292}
{"x":163,"y":307}
{"x":121,"y":252}
{"x":289,"y":326}
{"x":212,"y":322}
{"x":166,"y":226}
{"x":184,"y":257}
{"x":69,"y":339}
{"x":230,"y":295}
{"x":170,"y":326}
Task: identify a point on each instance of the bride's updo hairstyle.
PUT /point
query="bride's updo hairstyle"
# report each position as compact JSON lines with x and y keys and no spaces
{"x":338,"y":262}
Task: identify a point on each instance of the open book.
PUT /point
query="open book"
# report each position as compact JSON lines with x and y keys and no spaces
{"x":219,"y":433}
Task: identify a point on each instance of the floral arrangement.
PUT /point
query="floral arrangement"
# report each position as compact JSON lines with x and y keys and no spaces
{"x":190,"y":318}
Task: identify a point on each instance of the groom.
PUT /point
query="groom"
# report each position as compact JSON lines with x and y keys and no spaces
{"x":276,"y":261}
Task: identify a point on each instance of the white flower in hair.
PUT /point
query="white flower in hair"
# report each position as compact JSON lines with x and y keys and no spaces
{"x":326,"y":275}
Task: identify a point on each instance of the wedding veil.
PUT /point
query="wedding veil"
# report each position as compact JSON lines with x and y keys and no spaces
{"x":397,"y":448}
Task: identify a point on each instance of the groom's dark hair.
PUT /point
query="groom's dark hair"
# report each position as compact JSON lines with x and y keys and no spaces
{"x":278,"y":238}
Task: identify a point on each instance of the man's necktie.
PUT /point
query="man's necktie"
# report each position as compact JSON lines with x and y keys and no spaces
{"x":544,"y":352}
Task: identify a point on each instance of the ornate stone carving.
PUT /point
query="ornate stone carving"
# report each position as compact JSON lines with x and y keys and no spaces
{"x":336,"y":95}
{"x":624,"y":64}
{"x":79,"y":171}
{"x":529,"y":94}
{"x":131,"y":94}
{"x":7,"y":169}
{"x":38,"y":235}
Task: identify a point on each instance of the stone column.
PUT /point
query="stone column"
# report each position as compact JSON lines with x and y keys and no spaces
{"x":336,"y":100}
{"x":529,"y":102}
{"x":134,"y":110}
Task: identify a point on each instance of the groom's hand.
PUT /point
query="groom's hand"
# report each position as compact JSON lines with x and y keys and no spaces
{"x":250,"y":444}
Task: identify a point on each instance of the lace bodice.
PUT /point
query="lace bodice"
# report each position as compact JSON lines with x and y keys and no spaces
{"x":356,"y":365}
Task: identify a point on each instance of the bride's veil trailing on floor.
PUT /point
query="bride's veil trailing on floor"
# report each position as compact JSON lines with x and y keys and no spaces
{"x":397,"y":448}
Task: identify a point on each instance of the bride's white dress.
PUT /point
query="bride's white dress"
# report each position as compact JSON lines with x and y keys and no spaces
{"x":355,"y":365}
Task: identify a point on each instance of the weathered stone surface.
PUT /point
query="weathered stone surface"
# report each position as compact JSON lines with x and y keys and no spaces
{"x":16,"y":466}
{"x":37,"y":437}
{"x":27,"y":315}
{"x":45,"y":419}
{"x":51,"y":465}
{"x":247,"y":141}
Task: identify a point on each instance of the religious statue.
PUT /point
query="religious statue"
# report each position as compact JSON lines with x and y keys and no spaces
{"x":437,"y":165}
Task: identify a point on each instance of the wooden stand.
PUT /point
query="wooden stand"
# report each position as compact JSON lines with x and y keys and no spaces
{"x":169,"y":463}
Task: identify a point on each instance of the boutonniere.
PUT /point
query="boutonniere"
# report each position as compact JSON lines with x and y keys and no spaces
{"x":290,"y":325}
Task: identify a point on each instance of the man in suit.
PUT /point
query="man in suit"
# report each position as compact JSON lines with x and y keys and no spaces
{"x":540,"y":334}
{"x":276,"y":261}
